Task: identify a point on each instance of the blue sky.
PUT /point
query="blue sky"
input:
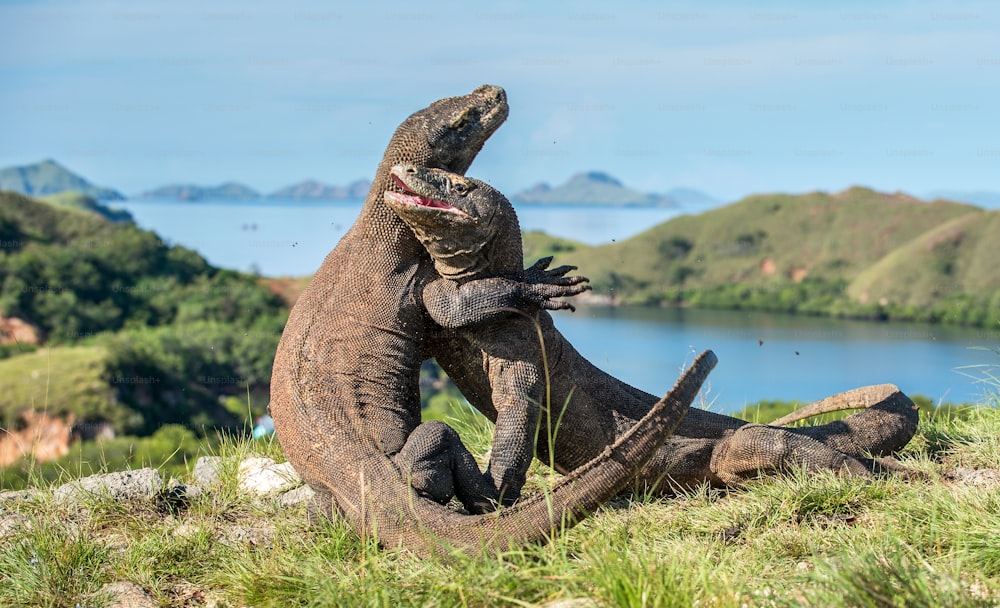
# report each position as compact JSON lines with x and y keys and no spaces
{"x":727,"y":98}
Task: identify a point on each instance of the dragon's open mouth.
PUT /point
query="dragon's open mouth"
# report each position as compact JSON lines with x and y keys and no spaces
{"x":413,"y":198}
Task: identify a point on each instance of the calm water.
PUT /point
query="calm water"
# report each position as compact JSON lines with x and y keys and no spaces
{"x":767,"y":356}
{"x":800,"y":358}
{"x":292,"y":238}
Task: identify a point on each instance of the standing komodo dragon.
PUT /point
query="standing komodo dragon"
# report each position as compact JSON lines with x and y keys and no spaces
{"x":599,"y":408}
{"x":345,"y":383}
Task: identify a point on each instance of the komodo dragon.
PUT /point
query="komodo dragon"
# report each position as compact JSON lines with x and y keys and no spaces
{"x":598,"y":407}
{"x":470,"y":236}
{"x":345,"y":380}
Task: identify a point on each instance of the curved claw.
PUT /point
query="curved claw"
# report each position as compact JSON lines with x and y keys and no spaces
{"x":544,"y":295}
{"x":539,"y":266}
{"x":558,"y":305}
{"x":566,"y":281}
{"x":539,"y":272}
{"x":559,"y":270}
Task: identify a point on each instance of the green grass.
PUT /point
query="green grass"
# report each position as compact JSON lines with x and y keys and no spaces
{"x":817,"y":540}
{"x":59,"y":380}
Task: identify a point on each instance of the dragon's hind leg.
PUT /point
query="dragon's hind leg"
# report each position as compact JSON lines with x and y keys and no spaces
{"x":439,"y":466}
{"x":756,"y":449}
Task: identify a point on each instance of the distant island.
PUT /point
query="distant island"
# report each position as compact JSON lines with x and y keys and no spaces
{"x":586,"y":188}
{"x":307,"y":190}
{"x":312,"y":190}
{"x":49,"y":177}
{"x":599,"y":188}
{"x":230,"y":191}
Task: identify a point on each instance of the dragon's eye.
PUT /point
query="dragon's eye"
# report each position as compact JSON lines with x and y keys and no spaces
{"x":459,"y":188}
{"x":460,"y":121}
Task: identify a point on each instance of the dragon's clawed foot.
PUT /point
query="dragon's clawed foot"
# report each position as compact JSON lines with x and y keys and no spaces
{"x":543,"y":285}
{"x":540,"y":273}
{"x":543,"y":295}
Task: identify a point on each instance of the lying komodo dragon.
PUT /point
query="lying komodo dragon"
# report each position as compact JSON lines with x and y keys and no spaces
{"x":598,"y":408}
{"x":345,"y":382}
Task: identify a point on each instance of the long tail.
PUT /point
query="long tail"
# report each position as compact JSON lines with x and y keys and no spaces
{"x":388,"y":509}
{"x":887,"y":423}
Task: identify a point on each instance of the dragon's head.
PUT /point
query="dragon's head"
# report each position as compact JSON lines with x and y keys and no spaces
{"x":456,"y":128}
{"x":457,"y":219}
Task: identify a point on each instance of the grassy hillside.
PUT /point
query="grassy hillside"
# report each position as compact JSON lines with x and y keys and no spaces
{"x":960,"y":257}
{"x":801,"y":253}
{"x":794,"y":540}
{"x":539,"y":245}
{"x":773,"y":238}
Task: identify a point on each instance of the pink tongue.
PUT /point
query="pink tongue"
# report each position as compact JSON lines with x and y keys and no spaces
{"x":417,"y":199}
{"x":430,"y":202}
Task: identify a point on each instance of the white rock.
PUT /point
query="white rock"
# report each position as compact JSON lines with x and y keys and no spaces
{"x":298,"y":495}
{"x":141,"y":484}
{"x":258,"y":536}
{"x":20,"y":495}
{"x":263,"y":476}
{"x":207,"y":469}
{"x":974,"y":477}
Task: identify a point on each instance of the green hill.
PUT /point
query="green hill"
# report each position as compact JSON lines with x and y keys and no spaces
{"x":176,"y":333}
{"x":49,"y":177}
{"x":539,"y":244}
{"x":815,"y":253}
{"x":73,"y":274}
{"x":956,"y":261}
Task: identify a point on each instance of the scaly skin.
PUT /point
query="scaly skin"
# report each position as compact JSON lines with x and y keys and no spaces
{"x":592,"y":408}
{"x":345,"y":382}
